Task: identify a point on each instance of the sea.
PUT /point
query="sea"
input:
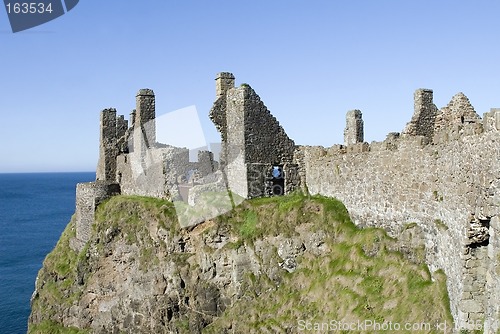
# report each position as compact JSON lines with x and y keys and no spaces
{"x":34,"y":210}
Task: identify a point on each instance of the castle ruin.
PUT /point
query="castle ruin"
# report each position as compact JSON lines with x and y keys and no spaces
{"x":440,"y":175}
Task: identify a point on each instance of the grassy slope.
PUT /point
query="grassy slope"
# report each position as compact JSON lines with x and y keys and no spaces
{"x":56,"y":285}
{"x":344,"y":284}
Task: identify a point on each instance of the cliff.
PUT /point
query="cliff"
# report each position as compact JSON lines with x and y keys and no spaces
{"x":274,"y":264}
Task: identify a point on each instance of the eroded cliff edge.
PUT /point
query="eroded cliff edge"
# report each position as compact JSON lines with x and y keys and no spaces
{"x":272,"y":264}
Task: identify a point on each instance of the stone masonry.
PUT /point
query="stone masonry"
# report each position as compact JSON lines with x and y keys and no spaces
{"x":441,"y":173}
{"x":422,"y":122}
{"x":88,"y":196}
{"x":253,"y":141}
{"x":450,"y":187}
{"x":106,"y":167}
{"x":144,"y":122}
{"x":353,"y":132}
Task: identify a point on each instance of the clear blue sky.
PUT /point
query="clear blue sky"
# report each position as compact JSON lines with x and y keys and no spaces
{"x":310,"y":61}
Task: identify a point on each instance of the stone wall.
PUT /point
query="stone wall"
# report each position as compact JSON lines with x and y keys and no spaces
{"x":456,"y":119}
{"x":441,"y":187}
{"x":144,"y":121}
{"x":253,"y":141}
{"x":206,"y":164}
{"x":223,"y":82}
{"x":491,"y":120}
{"x":353,"y":132}
{"x":106,"y":167}
{"x":424,"y":115}
{"x":155,"y":173}
{"x":88,"y":196}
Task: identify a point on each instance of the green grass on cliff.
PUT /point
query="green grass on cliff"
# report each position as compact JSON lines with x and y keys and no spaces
{"x":359,"y":275}
{"x":56,"y":286}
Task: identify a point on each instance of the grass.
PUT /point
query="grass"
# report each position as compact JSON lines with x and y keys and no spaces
{"x":52,"y":327}
{"x":437,"y":197}
{"x":56,"y":283}
{"x":248,"y":228}
{"x":440,"y":225}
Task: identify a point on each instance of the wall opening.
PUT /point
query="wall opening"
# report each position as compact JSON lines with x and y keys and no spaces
{"x":479,"y":232}
{"x":277,"y":181}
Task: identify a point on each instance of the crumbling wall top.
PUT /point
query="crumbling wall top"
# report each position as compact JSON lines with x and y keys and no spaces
{"x":353,"y":132}
{"x":223,"y":82}
{"x":458,"y":111}
{"x":145,"y":92}
{"x":424,"y":115}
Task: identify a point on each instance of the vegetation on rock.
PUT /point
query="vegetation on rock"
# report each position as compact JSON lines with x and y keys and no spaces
{"x":262,"y":267}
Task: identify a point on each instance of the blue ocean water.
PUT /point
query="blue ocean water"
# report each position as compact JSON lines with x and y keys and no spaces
{"x":34,"y":210}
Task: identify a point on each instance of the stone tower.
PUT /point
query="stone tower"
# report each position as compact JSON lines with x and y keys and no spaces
{"x":144,"y":121}
{"x":223,"y":82}
{"x":106,"y":167}
{"x":353,"y":132}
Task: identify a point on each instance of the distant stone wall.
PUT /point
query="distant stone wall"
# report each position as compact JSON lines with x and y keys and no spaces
{"x":155,"y":173}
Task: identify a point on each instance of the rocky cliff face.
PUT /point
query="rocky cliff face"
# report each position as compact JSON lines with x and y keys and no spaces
{"x":270,"y":265}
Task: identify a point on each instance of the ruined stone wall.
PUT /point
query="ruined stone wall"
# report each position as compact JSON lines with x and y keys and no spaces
{"x":354,"y":132}
{"x":439,"y":187}
{"x":423,"y":119}
{"x":456,"y":119}
{"x":106,"y":167}
{"x":88,"y":196}
{"x":253,"y":141}
{"x":235,"y":166}
{"x":144,"y":121}
{"x":491,"y":120}
{"x":265,"y":139}
{"x":121,"y":134}
{"x":206,"y":164}
{"x":223,"y":82}
{"x":492,"y":277}
{"x":155,"y":173}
